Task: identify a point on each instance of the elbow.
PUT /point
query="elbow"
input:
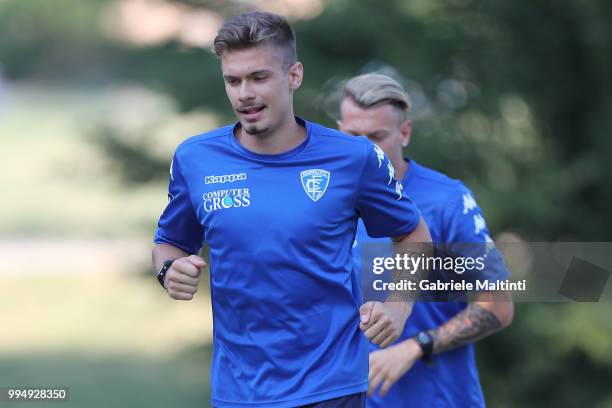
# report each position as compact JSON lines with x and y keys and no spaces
{"x":505,"y":314}
{"x":498,"y":304}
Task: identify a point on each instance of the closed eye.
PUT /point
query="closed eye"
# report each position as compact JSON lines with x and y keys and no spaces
{"x":377,"y":135}
{"x":231,"y":81}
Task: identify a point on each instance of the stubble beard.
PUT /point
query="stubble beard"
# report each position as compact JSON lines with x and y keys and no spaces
{"x":255,"y":130}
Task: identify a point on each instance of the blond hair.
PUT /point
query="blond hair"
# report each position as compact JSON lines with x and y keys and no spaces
{"x":370,"y":90}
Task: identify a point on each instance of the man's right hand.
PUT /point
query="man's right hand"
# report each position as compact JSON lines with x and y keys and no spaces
{"x":183,"y":277}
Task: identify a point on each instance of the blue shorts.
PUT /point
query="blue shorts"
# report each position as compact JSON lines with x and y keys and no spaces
{"x":348,"y":401}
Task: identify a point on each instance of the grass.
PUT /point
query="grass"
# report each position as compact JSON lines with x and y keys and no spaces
{"x":114,"y":339}
{"x":114,"y":380}
{"x":100,"y":313}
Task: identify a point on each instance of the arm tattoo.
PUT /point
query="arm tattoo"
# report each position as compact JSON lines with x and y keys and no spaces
{"x":412,"y":270}
{"x":471,"y":324}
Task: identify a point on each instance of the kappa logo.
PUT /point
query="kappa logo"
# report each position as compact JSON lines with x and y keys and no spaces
{"x":380,"y":154}
{"x":226,"y":178}
{"x":468,"y":203}
{"x":315,"y":182}
{"x":381,"y":158}
{"x":398,"y":189}
{"x":391,"y":172}
{"x":479,"y":224}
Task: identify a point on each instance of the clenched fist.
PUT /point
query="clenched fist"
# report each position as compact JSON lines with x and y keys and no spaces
{"x":383,"y":323}
{"x":183,"y":277}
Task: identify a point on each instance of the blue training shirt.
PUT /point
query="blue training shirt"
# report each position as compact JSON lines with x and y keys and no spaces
{"x":453,"y":216}
{"x":280,"y":230}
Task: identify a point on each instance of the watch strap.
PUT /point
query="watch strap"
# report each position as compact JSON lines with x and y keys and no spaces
{"x":425,"y":341}
{"x":161,"y":275}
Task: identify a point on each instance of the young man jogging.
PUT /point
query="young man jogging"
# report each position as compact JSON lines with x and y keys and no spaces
{"x":277,"y":200}
{"x":440,"y":333}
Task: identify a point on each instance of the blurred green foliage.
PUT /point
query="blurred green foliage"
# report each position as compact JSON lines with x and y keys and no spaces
{"x":514,"y":98}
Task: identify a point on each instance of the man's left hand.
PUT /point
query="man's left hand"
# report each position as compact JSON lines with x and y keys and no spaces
{"x":383,"y":323}
{"x":389,"y":365}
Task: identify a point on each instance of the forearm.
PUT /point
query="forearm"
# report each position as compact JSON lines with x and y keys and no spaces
{"x":468,"y":326}
{"x":163,"y":252}
{"x":411,"y":248}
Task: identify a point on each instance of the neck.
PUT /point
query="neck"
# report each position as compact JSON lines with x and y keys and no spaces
{"x":401,"y":167}
{"x":286,"y":136}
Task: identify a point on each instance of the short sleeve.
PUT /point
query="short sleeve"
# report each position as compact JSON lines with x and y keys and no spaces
{"x":384,"y":207}
{"x":178,"y":224}
{"x":466,"y":232}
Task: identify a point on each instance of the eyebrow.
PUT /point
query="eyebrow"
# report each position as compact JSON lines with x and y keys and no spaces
{"x":250,"y":75}
{"x":261,"y":71}
{"x":380,"y":132}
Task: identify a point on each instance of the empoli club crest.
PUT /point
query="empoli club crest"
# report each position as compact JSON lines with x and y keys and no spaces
{"x":315,"y":182}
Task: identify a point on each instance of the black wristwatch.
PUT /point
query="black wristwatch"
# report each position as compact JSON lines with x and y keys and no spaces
{"x":161,"y":275}
{"x":425,"y":341}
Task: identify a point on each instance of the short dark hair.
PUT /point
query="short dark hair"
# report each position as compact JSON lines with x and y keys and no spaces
{"x":257,"y":28}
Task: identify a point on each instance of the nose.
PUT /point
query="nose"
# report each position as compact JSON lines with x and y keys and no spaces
{"x":246,"y":91}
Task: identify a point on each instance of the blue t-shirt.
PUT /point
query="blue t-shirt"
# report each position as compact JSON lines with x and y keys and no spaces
{"x":280,"y":229}
{"x":453,"y":216}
